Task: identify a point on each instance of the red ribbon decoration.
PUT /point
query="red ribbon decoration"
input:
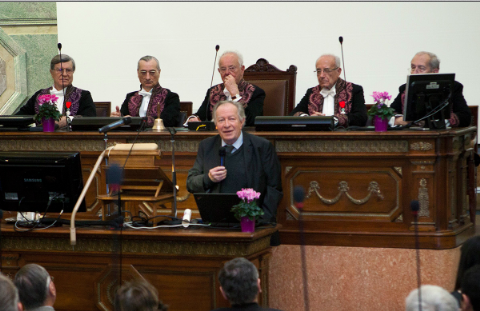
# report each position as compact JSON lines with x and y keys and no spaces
{"x":342,"y":104}
{"x":68,"y":104}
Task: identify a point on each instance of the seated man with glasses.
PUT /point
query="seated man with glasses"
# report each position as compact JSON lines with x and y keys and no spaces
{"x":333,"y":96}
{"x":151,"y":97}
{"x":234,"y":88}
{"x":426,"y":62}
{"x":81,"y":102}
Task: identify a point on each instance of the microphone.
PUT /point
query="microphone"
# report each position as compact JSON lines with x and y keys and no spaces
{"x":217,"y":47}
{"x":222,"y":153}
{"x":298,"y":198}
{"x":59,"y":45}
{"x":340,"y":39}
{"x":172,"y":130}
{"x":415,"y":207}
{"x":111,"y":126}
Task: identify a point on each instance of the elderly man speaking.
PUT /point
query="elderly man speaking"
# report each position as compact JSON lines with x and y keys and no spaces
{"x":333,"y":96}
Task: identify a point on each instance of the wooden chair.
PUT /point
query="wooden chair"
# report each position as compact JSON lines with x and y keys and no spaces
{"x":186,"y":107}
{"x":103,"y":108}
{"x":279,"y":86}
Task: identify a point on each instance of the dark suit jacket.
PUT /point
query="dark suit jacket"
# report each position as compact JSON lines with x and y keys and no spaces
{"x":246,"y":307}
{"x":261,"y":162}
{"x":86,"y":108}
{"x":459,"y":105}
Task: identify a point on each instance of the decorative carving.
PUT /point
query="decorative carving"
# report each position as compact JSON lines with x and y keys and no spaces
{"x":3,"y":76}
{"x":180,"y":145}
{"x":423,"y":199}
{"x":457,"y":144}
{"x":421,"y":146}
{"x":287,"y":169}
{"x":341,"y":146}
{"x":423,"y":162}
{"x":343,"y":188}
{"x":262,"y":65}
{"x":398,"y":169}
{"x":289,"y":216}
{"x":52,"y":145}
{"x":399,"y":218}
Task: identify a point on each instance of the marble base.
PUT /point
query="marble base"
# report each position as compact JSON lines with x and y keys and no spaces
{"x":355,"y":278}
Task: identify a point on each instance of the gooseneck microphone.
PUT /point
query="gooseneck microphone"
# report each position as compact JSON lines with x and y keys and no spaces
{"x":222,"y":153}
{"x":111,"y":126}
{"x":217,"y":47}
{"x":59,"y":45}
{"x":340,"y":39}
{"x":415,"y":207}
{"x":298,"y":198}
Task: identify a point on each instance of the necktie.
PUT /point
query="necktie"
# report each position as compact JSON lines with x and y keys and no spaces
{"x":229,"y":148}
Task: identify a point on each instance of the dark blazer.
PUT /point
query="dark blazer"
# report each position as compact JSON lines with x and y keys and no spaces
{"x":261,"y":162}
{"x":462,"y":116}
{"x":86,"y":108}
{"x":246,"y":307}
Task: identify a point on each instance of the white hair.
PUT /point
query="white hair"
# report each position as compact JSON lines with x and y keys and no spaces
{"x":434,"y":298}
{"x":337,"y":59}
{"x":239,"y":57}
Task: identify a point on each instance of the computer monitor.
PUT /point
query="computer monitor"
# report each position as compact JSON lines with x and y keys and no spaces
{"x":40,"y":181}
{"x":427,"y":97}
{"x":15,"y":123}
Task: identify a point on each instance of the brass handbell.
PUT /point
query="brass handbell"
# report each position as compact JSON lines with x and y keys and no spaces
{"x":158,"y":125}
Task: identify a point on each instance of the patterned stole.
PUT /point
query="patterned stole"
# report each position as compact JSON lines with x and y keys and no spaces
{"x":72,"y":94}
{"x":157,"y":101}
{"x":454,"y":121}
{"x":246,"y":91}
{"x":315,"y":103}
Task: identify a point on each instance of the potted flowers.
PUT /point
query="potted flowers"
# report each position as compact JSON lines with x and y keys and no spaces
{"x":380,"y":111}
{"x":47,"y":112}
{"x":247,"y":209}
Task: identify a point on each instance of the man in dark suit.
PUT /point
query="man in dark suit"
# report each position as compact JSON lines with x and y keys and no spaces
{"x":240,"y":285}
{"x":252,"y":162}
{"x":35,"y":287}
{"x":234,"y":88}
{"x":426,"y":62}
{"x":333,"y":96}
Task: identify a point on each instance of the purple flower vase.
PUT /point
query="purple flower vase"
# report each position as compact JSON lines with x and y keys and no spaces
{"x":48,"y":125}
{"x":381,"y":125}
{"x":247,"y":224}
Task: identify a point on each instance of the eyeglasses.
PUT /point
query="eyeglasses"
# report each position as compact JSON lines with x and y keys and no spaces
{"x":326,"y":70}
{"x":231,"y":68}
{"x":66,"y":70}
{"x":144,"y":72}
{"x":419,"y":69}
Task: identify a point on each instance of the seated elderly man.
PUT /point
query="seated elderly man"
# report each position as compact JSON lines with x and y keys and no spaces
{"x":62,"y":71}
{"x":333,"y":96}
{"x":433,"y":298}
{"x":35,"y":287}
{"x":240,"y":285}
{"x":250,"y":162}
{"x":8,"y":295}
{"x":233,"y":88}
{"x":138,"y":295}
{"x":426,"y":62}
{"x":152,"y":97}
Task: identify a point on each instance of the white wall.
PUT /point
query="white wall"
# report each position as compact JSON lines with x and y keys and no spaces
{"x":107,"y":39}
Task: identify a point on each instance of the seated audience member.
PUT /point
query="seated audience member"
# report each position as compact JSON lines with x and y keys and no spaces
{"x":333,"y":96}
{"x":138,"y":296}
{"x":62,"y":71}
{"x":240,"y":285}
{"x":8,"y":295}
{"x":434,"y":298}
{"x":35,"y":287}
{"x":151,"y":97}
{"x":426,"y":62}
{"x":233,"y":88}
{"x":471,"y":289}
{"x":469,"y":257}
{"x":250,"y":162}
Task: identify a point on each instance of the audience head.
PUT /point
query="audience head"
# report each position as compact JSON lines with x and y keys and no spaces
{"x":239,"y":282}
{"x":469,"y":257}
{"x":229,"y":117}
{"x":138,"y":295}
{"x":231,"y":64}
{"x":424,"y":62}
{"x":62,"y":70}
{"x":148,"y":69}
{"x":35,"y":286}
{"x":328,"y":70}
{"x":434,"y":298}
{"x":471,"y":289}
{"x":8,"y":295}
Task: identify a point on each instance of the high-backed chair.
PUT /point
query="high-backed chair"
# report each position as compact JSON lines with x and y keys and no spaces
{"x":279,"y":86}
{"x":103,"y":108}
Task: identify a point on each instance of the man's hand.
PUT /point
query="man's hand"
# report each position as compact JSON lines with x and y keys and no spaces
{"x":231,"y":85}
{"x":194,"y":119}
{"x":399,"y":121}
{"x":116,"y":113}
{"x":217,"y":174}
{"x":62,"y":123}
{"x":316,"y":114}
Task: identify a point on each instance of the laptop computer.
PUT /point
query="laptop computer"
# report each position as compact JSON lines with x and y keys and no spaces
{"x":215,"y":208}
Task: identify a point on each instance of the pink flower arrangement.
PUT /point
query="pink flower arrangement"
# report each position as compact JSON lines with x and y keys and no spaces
{"x":381,"y":97}
{"x":381,"y":108}
{"x":47,"y":98}
{"x":247,"y":207}
{"x":248,"y":194}
{"x":47,"y":111}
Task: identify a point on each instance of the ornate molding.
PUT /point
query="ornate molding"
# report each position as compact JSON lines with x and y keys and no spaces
{"x":341,"y":146}
{"x":52,"y":145}
{"x":262,"y":65}
{"x":180,"y":145}
{"x":423,"y":162}
{"x":423,"y":199}
{"x":343,"y":188}
{"x":399,"y":218}
{"x":421,"y":146}
{"x":288,"y":169}
{"x":398,"y":169}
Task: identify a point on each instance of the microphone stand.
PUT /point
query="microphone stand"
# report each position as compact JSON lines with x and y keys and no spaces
{"x":174,"y":173}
